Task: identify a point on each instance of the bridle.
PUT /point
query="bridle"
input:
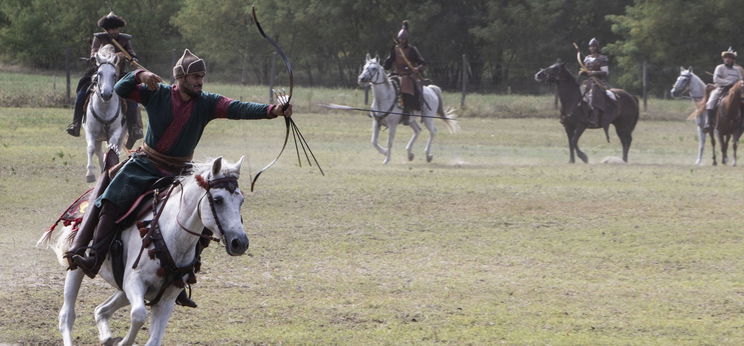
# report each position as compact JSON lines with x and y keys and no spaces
{"x":686,"y":78}
{"x":377,"y":73}
{"x":106,"y":123}
{"x":230,"y":184}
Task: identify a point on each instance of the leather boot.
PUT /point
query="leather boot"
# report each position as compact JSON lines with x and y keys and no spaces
{"x":184,"y":300}
{"x":102,"y":237}
{"x":77,"y":118}
{"x":708,"y":115}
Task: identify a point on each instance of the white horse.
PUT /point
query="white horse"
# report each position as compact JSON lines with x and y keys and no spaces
{"x":692,"y":86}
{"x":104,"y":118}
{"x":209,"y":198}
{"x":385,"y":104}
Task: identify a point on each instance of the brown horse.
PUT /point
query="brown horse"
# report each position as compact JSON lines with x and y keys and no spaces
{"x":575,"y":111}
{"x":729,"y":120}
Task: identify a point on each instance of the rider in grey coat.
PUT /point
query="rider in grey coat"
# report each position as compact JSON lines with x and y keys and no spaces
{"x":724,"y":76}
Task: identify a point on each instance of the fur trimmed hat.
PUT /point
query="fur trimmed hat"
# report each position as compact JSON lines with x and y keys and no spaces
{"x":111,"y":21}
{"x":188,"y":64}
{"x":730,"y":52}
{"x":403,"y":33}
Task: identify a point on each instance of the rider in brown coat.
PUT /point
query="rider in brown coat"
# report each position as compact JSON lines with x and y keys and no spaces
{"x":406,"y":61}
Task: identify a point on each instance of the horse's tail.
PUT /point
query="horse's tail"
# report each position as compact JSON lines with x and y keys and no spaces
{"x":59,"y":242}
{"x":699,"y":108}
{"x":449,"y":116}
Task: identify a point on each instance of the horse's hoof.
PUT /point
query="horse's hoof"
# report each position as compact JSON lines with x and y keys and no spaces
{"x":410,"y":156}
{"x":429,"y":157}
{"x":90,"y":178}
{"x":385,"y":161}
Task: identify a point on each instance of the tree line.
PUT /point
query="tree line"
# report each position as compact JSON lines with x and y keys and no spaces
{"x":504,"y":41}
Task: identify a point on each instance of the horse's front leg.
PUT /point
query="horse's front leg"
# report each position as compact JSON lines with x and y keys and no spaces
{"x":391,"y":137}
{"x":713,"y":146}
{"x":409,"y":147}
{"x":161,"y":313}
{"x":569,"y":135}
{"x":104,"y":312}
{"x":73,"y":279}
{"x":577,"y":134}
{"x":701,"y":145}
{"x":135,"y":291}
{"x":429,"y":123}
{"x":376,"y":124}
{"x":735,"y":145}
{"x":93,"y":148}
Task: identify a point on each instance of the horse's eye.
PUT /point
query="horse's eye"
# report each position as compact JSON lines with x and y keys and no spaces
{"x":218,"y":200}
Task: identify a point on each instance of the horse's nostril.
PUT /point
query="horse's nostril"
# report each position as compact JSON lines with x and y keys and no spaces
{"x":235,"y":244}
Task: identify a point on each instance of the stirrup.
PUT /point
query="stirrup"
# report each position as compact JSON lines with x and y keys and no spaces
{"x":184,"y":300}
{"x":83,"y":263}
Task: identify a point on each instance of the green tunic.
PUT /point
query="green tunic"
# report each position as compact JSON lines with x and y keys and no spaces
{"x":175,"y":128}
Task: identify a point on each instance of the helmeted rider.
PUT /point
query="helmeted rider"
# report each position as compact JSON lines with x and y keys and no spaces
{"x":406,"y":61}
{"x":597,"y":70}
{"x":112,"y":25}
{"x":177,"y":117}
{"x":724,"y":76}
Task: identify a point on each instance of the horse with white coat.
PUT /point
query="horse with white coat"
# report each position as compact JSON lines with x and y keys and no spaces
{"x":208,"y":198}
{"x":104,"y":120}
{"x":690,"y":84}
{"x":385,"y":104}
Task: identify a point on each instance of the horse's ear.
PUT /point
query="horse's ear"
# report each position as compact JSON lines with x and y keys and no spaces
{"x":681,"y":68}
{"x":238,"y":164}
{"x":367,"y":58}
{"x":377,"y":57}
{"x":690,"y":68}
{"x":216,"y":166}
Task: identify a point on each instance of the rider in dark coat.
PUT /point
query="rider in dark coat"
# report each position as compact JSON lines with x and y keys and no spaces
{"x":112,"y":25}
{"x":177,"y":117}
{"x":406,"y":61}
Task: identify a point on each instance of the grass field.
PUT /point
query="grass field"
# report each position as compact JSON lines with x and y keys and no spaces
{"x":496,"y":241}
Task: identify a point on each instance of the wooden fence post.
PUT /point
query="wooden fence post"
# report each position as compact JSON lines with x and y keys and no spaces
{"x":645,"y":91}
{"x":464,"y":78}
{"x":68,"y":53}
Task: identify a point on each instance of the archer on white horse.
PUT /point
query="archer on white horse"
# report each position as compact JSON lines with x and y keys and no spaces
{"x":386,"y":103}
{"x":209,"y":197}
{"x":690,"y":84}
{"x":104,"y":120}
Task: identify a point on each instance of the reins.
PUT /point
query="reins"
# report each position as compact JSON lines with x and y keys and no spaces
{"x":169,"y":269}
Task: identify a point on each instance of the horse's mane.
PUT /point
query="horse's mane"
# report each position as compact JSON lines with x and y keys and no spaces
{"x":107,"y":53}
{"x":565,"y":72}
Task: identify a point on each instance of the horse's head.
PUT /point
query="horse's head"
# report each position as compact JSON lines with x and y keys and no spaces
{"x":219,"y":209}
{"x":683,"y":82}
{"x":107,"y":73}
{"x":372,"y":72}
{"x":550,"y":74}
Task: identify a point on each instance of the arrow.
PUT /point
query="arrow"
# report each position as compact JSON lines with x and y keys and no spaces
{"x":349,"y":108}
